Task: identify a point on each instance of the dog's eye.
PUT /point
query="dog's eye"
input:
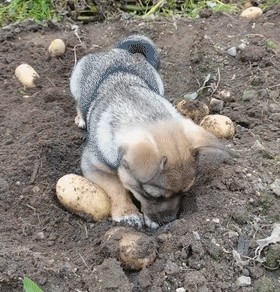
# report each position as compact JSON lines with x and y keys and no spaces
{"x":153,"y":191}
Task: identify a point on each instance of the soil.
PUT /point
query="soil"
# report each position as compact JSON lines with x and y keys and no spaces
{"x":40,"y":143}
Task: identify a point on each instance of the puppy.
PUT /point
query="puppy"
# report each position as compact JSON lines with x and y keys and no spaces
{"x":137,"y":143}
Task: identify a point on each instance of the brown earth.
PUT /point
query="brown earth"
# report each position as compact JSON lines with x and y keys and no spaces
{"x":40,"y":143}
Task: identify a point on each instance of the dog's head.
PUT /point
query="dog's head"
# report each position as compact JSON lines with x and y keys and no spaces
{"x":160,"y":171}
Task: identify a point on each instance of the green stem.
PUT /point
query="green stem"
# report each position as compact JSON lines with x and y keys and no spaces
{"x":154,"y":8}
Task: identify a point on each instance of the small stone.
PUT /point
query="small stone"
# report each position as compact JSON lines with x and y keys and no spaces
{"x":258,"y":146}
{"x":251,"y":13}
{"x":275,"y":187}
{"x":40,"y":235}
{"x":225,"y":95}
{"x":196,"y":235}
{"x":243,"y":281}
{"x":232,"y":51}
{"x":181,"y":289}
{"x":35,"y":189}
{"x":216,"y":220}
{"x":216,"y":105}
{"x":233,"y":234}
{"x":242,"y":46}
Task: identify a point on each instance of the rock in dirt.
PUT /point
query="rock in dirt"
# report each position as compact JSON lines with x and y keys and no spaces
{"x":216,"y":105}
{"x":275,"y":187}
{"x":242,"y":46}
{"x":243,"y":281}
{"x":109,"y":276}
{"x":251,"y":13}
{"x":232,"y":51}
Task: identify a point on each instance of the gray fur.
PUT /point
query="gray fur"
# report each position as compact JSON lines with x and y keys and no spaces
{"x":119,"y":97}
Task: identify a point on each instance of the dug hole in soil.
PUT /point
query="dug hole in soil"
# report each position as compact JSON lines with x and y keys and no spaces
{"x":40,"y":143}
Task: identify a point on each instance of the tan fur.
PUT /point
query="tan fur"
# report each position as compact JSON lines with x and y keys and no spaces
{"x":143,"y":159}
{"x":120,"y":199}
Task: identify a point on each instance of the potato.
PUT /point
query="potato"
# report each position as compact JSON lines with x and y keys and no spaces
{"x":251,"y":13}
{"x":56,"y":48}
{"x":83,"y":197}
{"x":137,"y":250}
{"x":134,"y":249}
{"x":26,"y":75}
{"x":219,"y":125}
{"x":193,"y":109}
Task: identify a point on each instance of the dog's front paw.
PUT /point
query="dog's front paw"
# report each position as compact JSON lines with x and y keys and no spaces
{"x":149,"y":223}
{"x":135,"y":220}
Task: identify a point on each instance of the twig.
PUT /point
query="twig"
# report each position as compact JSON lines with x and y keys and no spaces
{"x":84,"y":261}
{"x":218,"y":82}
{"x":31,"y":207}
{"x":75,"y":53}
{"x":50,"y":81}
{"x":273,"y":62}
{"x":273,"y":86}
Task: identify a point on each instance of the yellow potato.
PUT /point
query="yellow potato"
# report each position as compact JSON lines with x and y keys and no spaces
{"x":219,"y":125}
{"x":193,"y":109}
{"x":137,"y":250}
{"x":134,"y":249}
{"x":56,"y":48}
{"x":83,"y":197}
{"x":251,"y":12}
{"x":26,"y":75}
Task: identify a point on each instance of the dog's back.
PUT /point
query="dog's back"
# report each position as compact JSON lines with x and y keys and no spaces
{"x":95,"y":70}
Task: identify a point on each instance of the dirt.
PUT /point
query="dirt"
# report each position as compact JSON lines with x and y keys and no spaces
{"x":40,"y":143}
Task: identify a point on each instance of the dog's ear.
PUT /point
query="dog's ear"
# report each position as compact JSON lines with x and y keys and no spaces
{"x":208,"y":160}
{"x":143,"y":160}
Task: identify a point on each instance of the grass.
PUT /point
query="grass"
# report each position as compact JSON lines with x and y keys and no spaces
{"x":19,"y":10}
{"x":38,"y":10}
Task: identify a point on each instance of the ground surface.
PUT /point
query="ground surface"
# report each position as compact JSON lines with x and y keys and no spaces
{"x":40,"y":143}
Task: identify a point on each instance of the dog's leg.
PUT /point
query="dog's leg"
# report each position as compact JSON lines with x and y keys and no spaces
{"x":123,"y":210}
{"x":79,"y":120}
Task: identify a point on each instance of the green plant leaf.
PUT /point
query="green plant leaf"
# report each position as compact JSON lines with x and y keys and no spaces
{"x":30,"y":286}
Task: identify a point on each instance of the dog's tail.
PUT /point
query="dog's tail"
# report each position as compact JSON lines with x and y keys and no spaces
{"x":142,"y":45}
